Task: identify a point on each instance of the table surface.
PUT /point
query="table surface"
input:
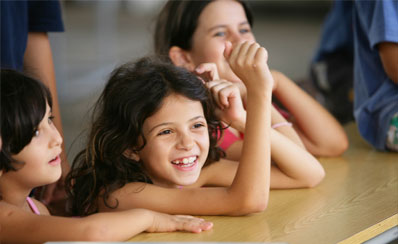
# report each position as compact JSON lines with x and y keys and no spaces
{"x":359,"y":192}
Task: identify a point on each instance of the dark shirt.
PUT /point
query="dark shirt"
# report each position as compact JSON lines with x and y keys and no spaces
{"x":20,"y":17}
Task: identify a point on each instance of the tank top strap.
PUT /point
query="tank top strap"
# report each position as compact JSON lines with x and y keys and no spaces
{"x":33,"y":206}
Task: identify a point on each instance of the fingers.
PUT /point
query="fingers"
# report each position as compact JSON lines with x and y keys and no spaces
{"x":222,"y":91}
{"x":207,"y":71}
{"x":228,"y":49}
{"x":248,"y":60}
{"x":192,"y":224}
{"x":243,"y":55}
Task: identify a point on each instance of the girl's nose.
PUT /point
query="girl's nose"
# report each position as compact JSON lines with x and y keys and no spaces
{"x":56,"y":139}
{"x":185,"y":142}
{"x":236,"y":37}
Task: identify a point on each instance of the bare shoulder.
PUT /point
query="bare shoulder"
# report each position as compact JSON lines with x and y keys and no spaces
{"x":6,"y":209}
{"x":220,"y":173}
{"x":131,"y":195}
{"x":42,"y":208}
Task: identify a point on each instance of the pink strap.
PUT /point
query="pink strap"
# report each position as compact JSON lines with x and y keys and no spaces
{"x":229,"y":138}
{"x":283,"y":112}
{"x":274,"y":126}
{"x":33,"y":206}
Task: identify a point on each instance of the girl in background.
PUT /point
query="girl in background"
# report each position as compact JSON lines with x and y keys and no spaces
{"x":154,"y":136}
{"x":192,"y":34}
{"x":30,"y":157}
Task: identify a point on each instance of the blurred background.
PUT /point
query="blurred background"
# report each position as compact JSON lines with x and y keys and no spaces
{"x":100,"y":35}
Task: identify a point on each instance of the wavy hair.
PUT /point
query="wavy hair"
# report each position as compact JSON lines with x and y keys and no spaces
{"x":134,"y":92}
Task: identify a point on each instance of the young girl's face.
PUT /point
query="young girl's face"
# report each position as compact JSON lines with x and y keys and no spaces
{"x":41,"y":157}
{"x":220,"y":21}
{"x":177,"y":142}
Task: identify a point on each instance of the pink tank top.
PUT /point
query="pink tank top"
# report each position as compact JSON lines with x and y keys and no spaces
{"x":230,"y":138}
{"x":33,"y":206}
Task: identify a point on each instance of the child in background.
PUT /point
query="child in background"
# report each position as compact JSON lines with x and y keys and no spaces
{"x":30,"y":157}
{"x":154,"y":136}
{"x":193,"y":34}
{"x":376,"y":72}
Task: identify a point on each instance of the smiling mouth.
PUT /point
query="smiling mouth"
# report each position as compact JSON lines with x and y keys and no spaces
{"x":186,"y":162}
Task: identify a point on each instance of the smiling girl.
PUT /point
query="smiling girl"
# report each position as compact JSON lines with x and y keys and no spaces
{"x":153,"y":143}
{"x":29,"y":158}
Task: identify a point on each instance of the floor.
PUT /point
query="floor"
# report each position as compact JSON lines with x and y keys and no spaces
{"x":103,"y":34}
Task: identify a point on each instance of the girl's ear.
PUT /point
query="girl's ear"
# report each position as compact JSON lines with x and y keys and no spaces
{"x":131,"y":155}
{"x":181,"y":58}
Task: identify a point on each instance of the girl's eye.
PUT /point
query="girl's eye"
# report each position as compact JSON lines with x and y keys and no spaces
{"x":50,"y":119}
{"x":198,"y":125}
{"x":244,"y":31}
{"x":165,"y":132}
{"x":221,"y":34}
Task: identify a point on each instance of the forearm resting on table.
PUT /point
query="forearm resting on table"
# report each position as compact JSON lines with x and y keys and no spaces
{"x":311,"y":119}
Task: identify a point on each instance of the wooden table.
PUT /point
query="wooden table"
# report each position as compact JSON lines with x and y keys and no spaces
{"x":357,"y":200}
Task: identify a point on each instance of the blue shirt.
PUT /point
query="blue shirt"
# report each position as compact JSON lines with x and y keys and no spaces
{"x":376,"y":96}
{"x":20,"y":17}
{"x":337,"y":30}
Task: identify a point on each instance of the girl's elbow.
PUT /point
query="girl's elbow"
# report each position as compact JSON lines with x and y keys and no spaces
{"x":252,"y":205}
{"x":315,"y":179}
{"x":338,"y":146}
{"x":333,"y":148}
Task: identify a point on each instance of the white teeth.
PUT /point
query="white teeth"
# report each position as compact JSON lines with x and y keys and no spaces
{"x":185,"y":161}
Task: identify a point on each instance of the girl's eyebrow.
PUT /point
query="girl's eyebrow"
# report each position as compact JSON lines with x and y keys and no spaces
{"x":168,"y":123}
{"x":224,"y":26}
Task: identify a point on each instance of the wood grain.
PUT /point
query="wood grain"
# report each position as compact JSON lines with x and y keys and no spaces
{"x":359,"y":191}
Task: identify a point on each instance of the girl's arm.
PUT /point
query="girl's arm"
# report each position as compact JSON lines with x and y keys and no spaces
{"x":320,"y":132}
{"x":225,"y":92}
{"x":294,"y":167}
{"x":249,"y":190}
{"x":19,"y":226}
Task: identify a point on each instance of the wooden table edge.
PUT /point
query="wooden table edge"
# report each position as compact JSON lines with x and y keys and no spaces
{"x":372,"y":231}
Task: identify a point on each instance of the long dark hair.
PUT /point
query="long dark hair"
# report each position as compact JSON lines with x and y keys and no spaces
{"x":23,"y":106}
{"x":134,"y":92}
{"x":177,"y":22}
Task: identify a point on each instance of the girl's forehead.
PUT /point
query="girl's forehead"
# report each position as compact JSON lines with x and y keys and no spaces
{"x":175,"y":108}
{"x":220,"y":11}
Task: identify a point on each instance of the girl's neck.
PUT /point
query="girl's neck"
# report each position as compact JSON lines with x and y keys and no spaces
{"x":13,"y":193}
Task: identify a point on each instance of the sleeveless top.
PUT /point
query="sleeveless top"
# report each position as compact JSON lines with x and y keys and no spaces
{"x":33,"y":206}
{"x":230,"y":138}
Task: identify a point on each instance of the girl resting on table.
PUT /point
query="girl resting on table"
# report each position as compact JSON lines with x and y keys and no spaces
{"x":153,"y":144}
{"x":30,"y":158}
{"x":192,"y":34}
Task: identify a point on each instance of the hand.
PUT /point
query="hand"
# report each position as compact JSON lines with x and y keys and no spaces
{"x":227,"y":96}
{"x":248,"y":60}
{"x":207,"y":71}
{"x":167,"y":223}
